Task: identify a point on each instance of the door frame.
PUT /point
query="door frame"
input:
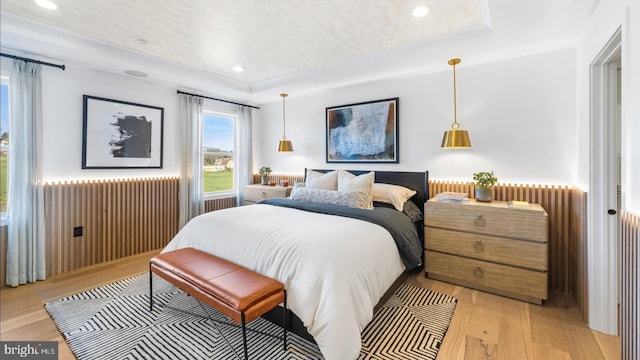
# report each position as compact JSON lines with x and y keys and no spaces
{"x":603,"y":284}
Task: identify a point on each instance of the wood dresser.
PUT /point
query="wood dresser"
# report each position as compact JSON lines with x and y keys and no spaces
{"x":256,"y":192}
{"x":488,"y":246}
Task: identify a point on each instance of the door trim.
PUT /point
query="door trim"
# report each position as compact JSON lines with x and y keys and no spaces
{"x":602,"y":254}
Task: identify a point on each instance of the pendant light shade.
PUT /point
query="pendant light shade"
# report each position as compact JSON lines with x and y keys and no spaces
{"x":284,"y":145}
{"x":455,"y":138}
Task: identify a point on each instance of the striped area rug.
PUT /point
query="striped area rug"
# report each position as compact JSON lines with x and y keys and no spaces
{"x":114,"y":322}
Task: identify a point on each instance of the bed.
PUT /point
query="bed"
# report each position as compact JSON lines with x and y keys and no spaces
{"x":336,"y":262}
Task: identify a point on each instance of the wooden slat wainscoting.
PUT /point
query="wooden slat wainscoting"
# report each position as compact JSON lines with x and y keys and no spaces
{"x":566,"y":208}
{"x":629,"y":315}
{"x":219,"y":203}
{"x":578,"y":251}
{"x":119,"y":218}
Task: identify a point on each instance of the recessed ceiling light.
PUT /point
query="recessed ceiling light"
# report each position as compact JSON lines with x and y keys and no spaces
{"x":47,"y":4}
{"x":141,"y":42}
{"x":136,"y":73}
{"x":420,"y":11}
{"x":238,"y":68}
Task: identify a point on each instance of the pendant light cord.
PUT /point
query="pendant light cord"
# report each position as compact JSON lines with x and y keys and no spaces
{"x":284,"y":122}
{"x":455,"y":115}
{"x":455,"y":124}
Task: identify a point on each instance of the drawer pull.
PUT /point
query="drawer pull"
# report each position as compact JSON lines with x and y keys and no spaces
{"x":264,"y":195}
{"x":479,"y":221}
{"x":478,"y":246}
{"x":478,"y":272}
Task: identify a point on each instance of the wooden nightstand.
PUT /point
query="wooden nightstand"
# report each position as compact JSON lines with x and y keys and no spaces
{"x":488,"y":246}
{"x":256,"y":192}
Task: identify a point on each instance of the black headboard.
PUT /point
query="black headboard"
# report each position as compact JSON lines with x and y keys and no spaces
{"x":417,"y":181}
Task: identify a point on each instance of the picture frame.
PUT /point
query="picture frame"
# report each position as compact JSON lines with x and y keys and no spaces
{"x":121,"y":135}
{"x":365,"y":132}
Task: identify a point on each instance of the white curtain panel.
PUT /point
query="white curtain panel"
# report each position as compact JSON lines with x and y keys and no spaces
{"x":243,"y":162}
{"x":191,"y":164}
{"x":25,"y":204}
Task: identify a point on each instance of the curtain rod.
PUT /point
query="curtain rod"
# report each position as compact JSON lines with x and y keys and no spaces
{"x":33,"y":61}
{"x":212,"y":98}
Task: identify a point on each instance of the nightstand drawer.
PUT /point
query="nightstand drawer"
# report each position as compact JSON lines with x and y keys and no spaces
{"x":527,"y":254}
{"x":494,"y":218}
{"x":486,"y":275}
{"x":253,"y":193}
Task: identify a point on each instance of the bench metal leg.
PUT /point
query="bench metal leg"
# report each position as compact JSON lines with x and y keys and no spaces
{"x":150,"y":289}
{"x":244,"y":337}
{"x":285,"y":323}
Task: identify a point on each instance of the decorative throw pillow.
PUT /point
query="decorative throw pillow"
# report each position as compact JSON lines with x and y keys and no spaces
{"x":392,"y":194}
{"x":353,"y":199}
{"x":347,"y":182}
{"x":324,"y":181}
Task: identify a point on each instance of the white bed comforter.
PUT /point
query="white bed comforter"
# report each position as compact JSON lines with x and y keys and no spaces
{"x":335,"y":269}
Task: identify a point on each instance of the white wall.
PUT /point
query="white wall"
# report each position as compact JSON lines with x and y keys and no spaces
{"x":631,"y":110}
{"x":520,"y":114}
{"x":62,"y":114}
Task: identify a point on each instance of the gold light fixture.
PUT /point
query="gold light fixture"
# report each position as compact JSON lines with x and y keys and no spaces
{"x":455,"y":138}
{"x":284,"y":145}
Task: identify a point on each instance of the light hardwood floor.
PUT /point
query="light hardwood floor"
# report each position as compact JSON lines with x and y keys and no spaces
{"x":484,"y":326}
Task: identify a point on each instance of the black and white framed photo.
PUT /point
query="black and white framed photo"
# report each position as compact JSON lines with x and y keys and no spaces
{"x":120,"y":134}
{"x":365,"y":132}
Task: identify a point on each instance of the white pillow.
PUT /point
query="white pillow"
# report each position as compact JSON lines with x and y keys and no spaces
{"x":353,"y":199}
{"x":318,"y":180}
{"x":392,"y":194}
{"x":347,"y":182}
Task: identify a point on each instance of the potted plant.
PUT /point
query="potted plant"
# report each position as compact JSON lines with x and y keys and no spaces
{"x":484,"y":182}
{"x":264,"y":175}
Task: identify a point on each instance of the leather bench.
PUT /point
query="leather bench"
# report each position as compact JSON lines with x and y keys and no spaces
{"x":238,"y":292}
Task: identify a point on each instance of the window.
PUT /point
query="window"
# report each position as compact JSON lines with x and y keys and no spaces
{"x":4,"y":142}
{"x":219,"y":143}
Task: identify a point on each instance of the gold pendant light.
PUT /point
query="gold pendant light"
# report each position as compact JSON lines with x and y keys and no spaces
{"x":284,"y":145}
{"x":455,"y":138}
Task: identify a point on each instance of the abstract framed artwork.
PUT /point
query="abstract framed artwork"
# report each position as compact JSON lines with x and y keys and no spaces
{"x":365,"y":132}
{"x":121,"y":135}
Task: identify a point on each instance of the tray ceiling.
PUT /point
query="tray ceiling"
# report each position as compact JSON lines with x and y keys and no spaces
{"x":277,"y":42}
{"x":269,"y":38}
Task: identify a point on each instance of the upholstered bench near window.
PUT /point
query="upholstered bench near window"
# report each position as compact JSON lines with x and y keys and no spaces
{"x":241,"y":294}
